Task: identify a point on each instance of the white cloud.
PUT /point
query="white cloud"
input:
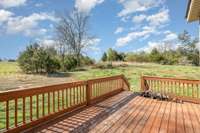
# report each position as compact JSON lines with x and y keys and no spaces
{"x":11,"y":3}
{"x":167,"y":43}
{"x":122,"y":41}
{"x":170,"y":36}
{"x":159,"y":18}
{"x":38,"y":5}
{"x":92,"y":45}
{"x":86,"y":6}
{"x":48,"y":43}
{"x":5,"y":15}
{"x":119,"y":30}
{"x":139,"y":18}
{"x":29,"y":25}
{"x":132,"y":6}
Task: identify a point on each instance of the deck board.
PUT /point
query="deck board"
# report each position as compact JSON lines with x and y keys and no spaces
{"x":134,"y":115}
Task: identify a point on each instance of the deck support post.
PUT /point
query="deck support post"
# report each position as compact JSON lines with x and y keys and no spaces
{"x":142,"y":84}
{"x":88,"y":93}
{"x":199,"y":41}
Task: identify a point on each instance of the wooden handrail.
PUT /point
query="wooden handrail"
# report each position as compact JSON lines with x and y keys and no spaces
{"x":184,"y":89}
{"x":45,"y":103}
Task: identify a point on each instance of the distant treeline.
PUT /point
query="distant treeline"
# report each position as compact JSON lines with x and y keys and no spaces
{"x":186,"y":53}
{"x":8,"y":60}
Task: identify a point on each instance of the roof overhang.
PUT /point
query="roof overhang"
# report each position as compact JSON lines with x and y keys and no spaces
{"x":193,"y":10}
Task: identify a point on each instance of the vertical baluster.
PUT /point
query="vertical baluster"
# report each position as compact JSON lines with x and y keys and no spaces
{"x":7,"y":115}
{"x":48,"y":102}
{"x":70,"y":97}
{"x":94,"y":89}
{"x":185,"y":89}
{"x":63,"y":99}
{"x":74,"y":97}
{"x":98,"y":89}
{"x":168,"y":87}
{"x":77,"y":97}
{"x":178,"y":88}
{"x":58,"y":98}
{"x":99,"y":92}
{"x":16,"y":112}
{"x":80,"y":94}
{"x":172,"y":87}
{"x":186,"y":92}
{"x":197,"y":90}
{"x":37,"y":106}
{"x":192,"y":85}
{"x":54,"y":101}
{"x":84,"y":93}
{"x":43,"y":108}
{"x":66,"y":98}
{"x":31,"y":107}
{"x":24,"y":108}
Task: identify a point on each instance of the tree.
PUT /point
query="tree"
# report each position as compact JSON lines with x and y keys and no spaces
{"x":104,"y":57}
{"x":112,"y":55}
{"x":36,"y":59}
{"x":156,"y":56}
{"x":189,"y":48}
{"x":73,"y":34}
{"x":121,"y":56}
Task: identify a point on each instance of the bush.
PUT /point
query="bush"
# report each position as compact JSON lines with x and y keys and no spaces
{"x":36,"y":59}
{"x":85,"y":60}
{"x":70,"y":63}
{"x":52,"y":65}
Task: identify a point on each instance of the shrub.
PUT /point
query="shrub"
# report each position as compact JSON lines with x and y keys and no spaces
{"x":85,"y":60}
{"x":36,"y":59}
{"x":70,"y":63}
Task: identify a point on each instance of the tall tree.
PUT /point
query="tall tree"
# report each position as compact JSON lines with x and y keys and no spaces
{"x":104,"y":57}
{"x":73,"y":34}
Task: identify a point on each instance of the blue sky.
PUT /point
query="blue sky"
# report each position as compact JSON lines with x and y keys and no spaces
{"x":125,"y":25}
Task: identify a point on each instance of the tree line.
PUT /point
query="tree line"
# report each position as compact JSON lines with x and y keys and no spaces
{"x":186,"y":53}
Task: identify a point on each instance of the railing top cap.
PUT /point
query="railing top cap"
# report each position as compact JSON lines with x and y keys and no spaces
{"x":80,"y":82}
{"x":170,"y":78}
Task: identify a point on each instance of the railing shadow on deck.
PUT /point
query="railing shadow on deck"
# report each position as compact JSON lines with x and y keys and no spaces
{"x":86,"y":118}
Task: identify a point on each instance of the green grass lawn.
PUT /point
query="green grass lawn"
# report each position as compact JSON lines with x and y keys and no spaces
{"x":9,"y":68}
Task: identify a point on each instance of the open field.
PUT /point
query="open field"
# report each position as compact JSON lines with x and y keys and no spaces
{"x":11,"y":76}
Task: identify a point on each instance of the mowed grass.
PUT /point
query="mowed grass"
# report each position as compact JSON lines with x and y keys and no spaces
{"x":9,"y":68}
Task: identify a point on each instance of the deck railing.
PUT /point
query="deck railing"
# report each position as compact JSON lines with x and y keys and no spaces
{"x":183,"y":89}
{"x":22,"y":109}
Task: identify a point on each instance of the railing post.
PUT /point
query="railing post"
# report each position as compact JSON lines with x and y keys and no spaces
{"x":88,"y":93}
{"x":142,"y":84}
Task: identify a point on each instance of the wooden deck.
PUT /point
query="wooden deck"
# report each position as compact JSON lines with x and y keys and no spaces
{"x":127,"y":112}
